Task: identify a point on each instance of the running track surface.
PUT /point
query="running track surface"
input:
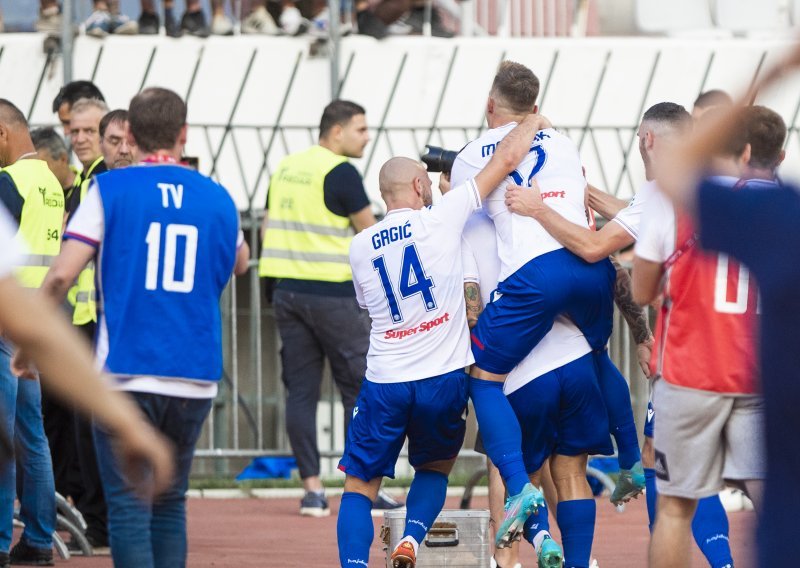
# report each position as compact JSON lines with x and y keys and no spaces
{"x":270,"y":532}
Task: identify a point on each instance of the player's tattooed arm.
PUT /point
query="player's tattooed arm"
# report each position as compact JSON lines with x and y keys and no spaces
{"x":472,"y":295}
{"x":634,"y":314}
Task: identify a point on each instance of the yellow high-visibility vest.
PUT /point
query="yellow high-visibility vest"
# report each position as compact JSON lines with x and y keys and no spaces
{"x":304,"y":240}
{"x":41,"y":220}
{"x":84,"y":295}
{"x":85,"y":298}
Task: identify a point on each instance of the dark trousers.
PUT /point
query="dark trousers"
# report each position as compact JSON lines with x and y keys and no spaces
{"x":313,"y":327}
{"x":74,"y":459}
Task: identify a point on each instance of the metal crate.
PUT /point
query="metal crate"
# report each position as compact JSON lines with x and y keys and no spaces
{"x":458,"y":539}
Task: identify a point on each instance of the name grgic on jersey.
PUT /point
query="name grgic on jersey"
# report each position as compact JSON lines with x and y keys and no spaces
{"x":563,"y":344}
{"x":555,"y":163}
{"x":167,"y":247}
{"x":407,"y":272}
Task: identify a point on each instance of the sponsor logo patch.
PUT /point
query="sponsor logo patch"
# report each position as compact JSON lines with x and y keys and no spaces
{"x":662,"y":470}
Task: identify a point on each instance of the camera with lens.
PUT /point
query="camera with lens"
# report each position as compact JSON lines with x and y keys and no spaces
{"x":438,"y":159}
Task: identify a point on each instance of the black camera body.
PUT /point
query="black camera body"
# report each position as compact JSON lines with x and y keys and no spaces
{"x":438,"y":159}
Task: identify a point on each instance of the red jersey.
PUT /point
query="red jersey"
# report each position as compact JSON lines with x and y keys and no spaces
{"x":706,"y":329}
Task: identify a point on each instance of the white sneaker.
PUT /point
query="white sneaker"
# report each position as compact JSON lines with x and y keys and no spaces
{"x":98,"y":24}
{"x":260,"y":22}
{"x":594,"y":563}
{"x":123,"y":25}
{"x":292,"y":21}
{"x":221,"y":25}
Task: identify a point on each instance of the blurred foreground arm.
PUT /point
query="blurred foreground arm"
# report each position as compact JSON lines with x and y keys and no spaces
{"x":32,"y":323}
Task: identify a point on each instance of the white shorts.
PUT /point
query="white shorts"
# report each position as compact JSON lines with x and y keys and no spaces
{"x":704,"y":438}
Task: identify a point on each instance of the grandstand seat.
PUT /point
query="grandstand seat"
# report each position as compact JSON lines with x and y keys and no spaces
{"x":746,"y":16}
{"x":674,"y":16}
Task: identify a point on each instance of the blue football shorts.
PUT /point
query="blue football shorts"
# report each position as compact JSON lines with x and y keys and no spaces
{"x":430,"y":412}
{"x":525,"y":304}
{"x":562,"y":412}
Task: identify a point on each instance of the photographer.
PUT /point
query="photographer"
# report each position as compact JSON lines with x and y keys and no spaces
{"x":439,"y":160}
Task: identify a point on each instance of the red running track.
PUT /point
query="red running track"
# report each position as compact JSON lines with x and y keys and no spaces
{"x":270,"y":532}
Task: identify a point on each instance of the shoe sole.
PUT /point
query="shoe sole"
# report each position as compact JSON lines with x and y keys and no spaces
{"x":633,"y":493}
{"x":513,"y":531}
{"x":511,"y":535}
{"x":314,"y":512}
{"x":553,"y":560}
{"x":403,"y":561}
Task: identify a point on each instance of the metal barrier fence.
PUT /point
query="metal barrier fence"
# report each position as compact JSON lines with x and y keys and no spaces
{"x":247,"y":417}
{"x":248,"y":108}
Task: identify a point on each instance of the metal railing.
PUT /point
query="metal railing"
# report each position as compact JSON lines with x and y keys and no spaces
{"x":248,"y":416}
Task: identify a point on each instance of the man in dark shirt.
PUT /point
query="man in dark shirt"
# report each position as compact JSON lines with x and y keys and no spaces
{"x":316,"y":202}
{"x":759,"y":227}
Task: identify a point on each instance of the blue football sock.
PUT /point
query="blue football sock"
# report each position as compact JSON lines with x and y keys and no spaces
{"x":424,"y":502}
{"x":537,"y":523}
{"x":710,"y":530}
{"x":617,"y":397}
{"x":354,"y":530}
{"x":500,"y":431}
{"x":651,"y":493}
{"x":576,"y":521}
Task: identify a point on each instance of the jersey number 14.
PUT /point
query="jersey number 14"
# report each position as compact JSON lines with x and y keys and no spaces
{"x":413,"y":281}
{"x":170,"y":281}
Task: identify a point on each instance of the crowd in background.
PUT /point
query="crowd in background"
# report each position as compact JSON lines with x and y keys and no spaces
{"x":376,"y":18}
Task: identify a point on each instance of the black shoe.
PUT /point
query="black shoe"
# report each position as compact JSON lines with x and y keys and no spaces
{"x":171,"y":24}
{"x":416,"y":19}
{"x":314,"y":505}
{"x":25,"y":555}
{"x":384,"y":502}
{"x":194,"y":23}
{"x":371,"y":25}
{"x":148,"y":24}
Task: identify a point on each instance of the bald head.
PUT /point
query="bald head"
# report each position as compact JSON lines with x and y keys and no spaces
{"x":14,"y":137}
{"x":404,"y":183}
{"x":11,"y":116}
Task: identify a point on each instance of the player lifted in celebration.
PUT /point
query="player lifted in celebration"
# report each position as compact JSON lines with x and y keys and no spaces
{"x":555,"y":394}
{"x":663,"y":125}
{"x":407,"y":273}
{"x":539,"y":279}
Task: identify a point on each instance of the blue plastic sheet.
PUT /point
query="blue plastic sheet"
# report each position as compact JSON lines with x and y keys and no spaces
{"x":268,"y":468}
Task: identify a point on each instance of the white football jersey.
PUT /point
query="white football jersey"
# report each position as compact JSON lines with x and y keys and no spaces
{"x":555,"y":162}
{"x":563,"y":344}
{"x":407,"y":273}
{"x":630,"y":218}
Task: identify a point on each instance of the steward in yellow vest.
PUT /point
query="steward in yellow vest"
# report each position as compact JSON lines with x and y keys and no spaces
{"x":315,"y":204}
{"x":32,"y":194}
{"x":84,"y":131}
{"x":83,"y":295}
